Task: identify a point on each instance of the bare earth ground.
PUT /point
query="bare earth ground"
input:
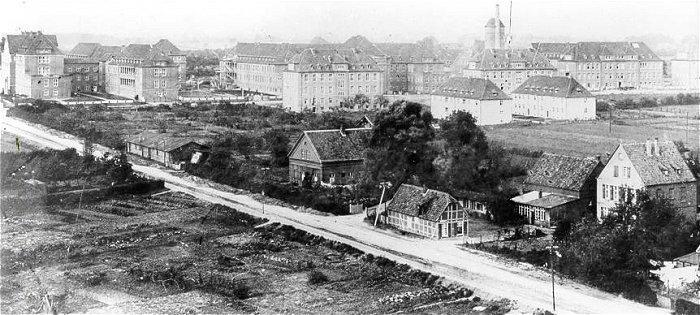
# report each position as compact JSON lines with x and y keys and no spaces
{"x":492,"y":275}
{"x":171,"y":253}
{"x":591,"y":138}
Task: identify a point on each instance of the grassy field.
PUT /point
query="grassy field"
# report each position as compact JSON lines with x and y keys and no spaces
{"x":170,"y":253}
{"x":597,"y":137}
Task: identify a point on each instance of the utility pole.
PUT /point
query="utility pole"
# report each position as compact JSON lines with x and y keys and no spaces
{"x":610,"y":109}
{"x":383,"y":186}
{"x":552,"y":252}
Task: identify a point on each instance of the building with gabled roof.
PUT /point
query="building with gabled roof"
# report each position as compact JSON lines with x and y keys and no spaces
{"x":558,"y":187}
{"x":332,"y":157}
{"x":426,"y":212}
{"x":656,"y":167}
{"x":553,"y":97}
{"x":320,"y":80}
{"x":605,"y":65}
{"x":480,"y":97}
{"x":171,"y":150}
{"x":32,"y":65}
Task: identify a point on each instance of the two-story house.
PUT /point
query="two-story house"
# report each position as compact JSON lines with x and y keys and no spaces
{"x":480,"y":97}
{"x":332,"y":157}
{"x":655,"y":167}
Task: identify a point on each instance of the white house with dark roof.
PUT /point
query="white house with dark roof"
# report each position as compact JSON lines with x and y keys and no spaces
{"x":655,"y":167}
{"x":556,"y":97}
{"x":426,"y":212}
{"x":480,"y":97}
{"x":558,"y":187}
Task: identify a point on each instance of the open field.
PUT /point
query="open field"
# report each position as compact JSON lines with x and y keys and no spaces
{"x":591,"y":138}
{"x":171,"y":253}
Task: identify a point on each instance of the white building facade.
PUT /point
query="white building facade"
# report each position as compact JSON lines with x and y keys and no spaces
{"x":554,"y":98}
{"x":479,"y":97}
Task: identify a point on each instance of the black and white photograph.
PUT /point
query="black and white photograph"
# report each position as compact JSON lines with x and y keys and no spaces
{"x":530,"y":157}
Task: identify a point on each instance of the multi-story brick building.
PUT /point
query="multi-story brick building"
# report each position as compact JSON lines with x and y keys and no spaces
{"x":507,"y":68}
{"x":605,"y":65}
{"x":176,"y":55}
{"x":412,"y":68}
{"x":32,"y":65}
{"x":85,"y":75}
{"x":553,"y":98}
{"x":93,"y":52}
{"x":320,"y":79}
{"x":655,"y":167}
{"x":480,"y":97}
{"x":143,"y":74}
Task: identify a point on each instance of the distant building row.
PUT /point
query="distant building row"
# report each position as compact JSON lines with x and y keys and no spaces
{"x":32,"y":65}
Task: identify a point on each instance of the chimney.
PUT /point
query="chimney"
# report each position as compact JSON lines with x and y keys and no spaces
{"x":539,"y":194}
{"x":656,"y":146}
{"x":647,"y":147}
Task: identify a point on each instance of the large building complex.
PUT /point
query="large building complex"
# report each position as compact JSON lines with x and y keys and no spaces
{"x":480,"y":97}
{"x":257,"y":67}
{"x":553,"y":98}
{"x":320,"y":79}
{"x":412,"y":67}
{"x":143,"y":74}
{"x":605,"y":65}
{"x":85,"y":75}
{"x":507,"y":68}
{"x":655,"y":167}
{"x":32,"y":65}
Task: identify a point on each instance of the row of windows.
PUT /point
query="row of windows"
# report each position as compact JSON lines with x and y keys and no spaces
{"x":86,"y":77}
{"x":44,"y":59}
{"x":621,"y":194}
{"x":329,"y":76}
{"x":528,"y":211}
{"x":50,"y":82}
{"x":48,"y":92}
{"x":128,"y":82}
{"x":159,"y":84}
{"x":127,"y":70}
{"x":160,"y":72}
{"x":44,"y":70}
{"x":82,"y":69}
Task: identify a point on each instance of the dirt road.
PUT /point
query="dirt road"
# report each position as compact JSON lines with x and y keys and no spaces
{"x":489,"y":275}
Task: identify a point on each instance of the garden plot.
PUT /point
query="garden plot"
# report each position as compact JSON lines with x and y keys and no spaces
{"x":181,"y":255}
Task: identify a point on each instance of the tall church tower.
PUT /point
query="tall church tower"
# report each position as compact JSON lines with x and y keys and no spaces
{"x":495,"y":32}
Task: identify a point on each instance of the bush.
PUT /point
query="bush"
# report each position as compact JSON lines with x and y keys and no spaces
{"x":316,"y":277}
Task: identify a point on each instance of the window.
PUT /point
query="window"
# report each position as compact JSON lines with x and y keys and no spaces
{"x":43,"y":59}
{"x":605,"y":191}
{"x":155,"y":84}
{"x":616,"y":171}
{"x":55,"y":83}
{"x":162,"y":83}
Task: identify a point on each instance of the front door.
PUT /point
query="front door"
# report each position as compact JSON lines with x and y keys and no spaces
{"x":439,"y":227}
{"x":532,"y":217}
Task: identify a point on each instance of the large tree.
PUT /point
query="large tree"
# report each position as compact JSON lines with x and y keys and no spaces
{"x":617,"y":254}
{"x":400,"y":146}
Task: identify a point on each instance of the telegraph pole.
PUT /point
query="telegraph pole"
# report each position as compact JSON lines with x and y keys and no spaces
{"x":552,"y":252}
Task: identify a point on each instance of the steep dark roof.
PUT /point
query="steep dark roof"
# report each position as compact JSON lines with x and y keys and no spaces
{"x":315,"y":59}
{"x":161,"y":141}
{"x":668,"y":167}
{"x":84,"y":49}
{"x":592,"y":51}
{"x":272,"y":52}
{"x":167,"y":47}
{"x":510,"y":59}
{"x":136,"y":51}
{"x":471,"y":88}
{"x":337,"y":145}
{"x":415,"y":201}
{"x":561,"y":171}
{"x":30,"y":42}
{"x":408,"y":52}
{"x":556,"y":86}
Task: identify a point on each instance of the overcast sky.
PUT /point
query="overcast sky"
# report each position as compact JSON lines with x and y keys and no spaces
{"x":336,"y":20}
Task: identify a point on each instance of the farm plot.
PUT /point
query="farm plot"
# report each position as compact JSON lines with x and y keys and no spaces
{"x":169,"y":253}
{"x":591,"y":138}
